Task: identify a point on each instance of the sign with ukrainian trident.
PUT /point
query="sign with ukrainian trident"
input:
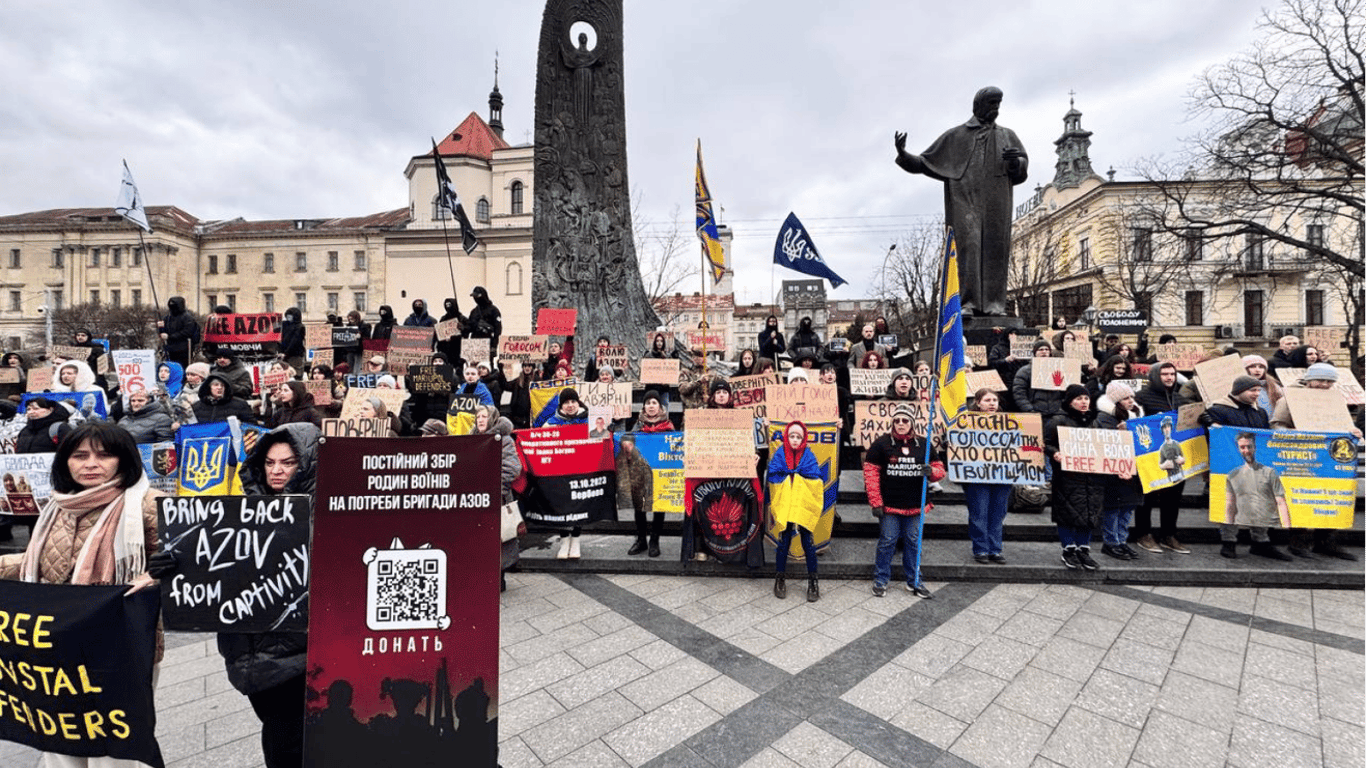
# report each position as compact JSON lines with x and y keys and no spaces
{"x":726,"y":514}
{"x":1166,"y":454}
{"x":206,"y":468}
{"x":823,"y":441}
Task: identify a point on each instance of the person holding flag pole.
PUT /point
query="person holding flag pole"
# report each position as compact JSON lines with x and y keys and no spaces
{"x":450,"y":200}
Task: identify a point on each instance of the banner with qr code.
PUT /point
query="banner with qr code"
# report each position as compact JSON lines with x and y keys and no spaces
{"x":404,"y":602}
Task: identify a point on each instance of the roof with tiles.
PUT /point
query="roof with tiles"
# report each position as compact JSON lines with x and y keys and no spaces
{"x":472,"y":138}
{"x":159,"y":216}
{"x":394,"y":219}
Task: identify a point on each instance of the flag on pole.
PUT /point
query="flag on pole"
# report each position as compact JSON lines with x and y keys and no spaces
{"x":795,"y":250}
{"x":450,"y":200}
{"x":952,"y":365}
{"x":129,"y":205}
{"x":706,"y":224}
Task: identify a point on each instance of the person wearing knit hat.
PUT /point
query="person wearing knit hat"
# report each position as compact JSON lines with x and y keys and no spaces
{"x":1118,"y":390}
{"x":433,"y":428}
{"x":569,"y":411}
{"x":1123,"y":491}
{"x":653,"y":415}
{"x":902,"y":386}
{"x":1078,"y":498}
{"x":605,"y":374}
{"x":720,"y":395}
{"x":1243,"y":384}
{"x":1320,"y":372}
{"x":1240,"y":410}
{"x":894,"y":474}
{"x":1256,"y":367}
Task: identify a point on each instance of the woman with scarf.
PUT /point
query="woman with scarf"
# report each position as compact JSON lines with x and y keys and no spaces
{"x":796,"y":492}
{"x":99,"y":527}
{"x":894,"y":473}
{"x":653,"y":417}
{"x":1078,"y":498}
{"x":74,"y":376}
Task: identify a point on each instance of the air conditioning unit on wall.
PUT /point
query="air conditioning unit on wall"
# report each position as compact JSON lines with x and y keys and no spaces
{"x":1223,"y":332}
{"x":1290,"y":330}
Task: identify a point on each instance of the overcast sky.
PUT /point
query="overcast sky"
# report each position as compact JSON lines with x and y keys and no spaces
{"x":312,"y":109}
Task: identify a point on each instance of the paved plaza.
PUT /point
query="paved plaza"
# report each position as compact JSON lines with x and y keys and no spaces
{"x":648,"y":670}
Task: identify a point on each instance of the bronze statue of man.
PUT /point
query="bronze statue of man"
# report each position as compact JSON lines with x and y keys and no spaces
{"x":978,"y":161}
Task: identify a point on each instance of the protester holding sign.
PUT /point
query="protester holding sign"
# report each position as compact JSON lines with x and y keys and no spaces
{"x":1240,"y":409}
{"x":987,"y":503}
{"x":1078,"y":498}
{"x":796,"y":491}
{"x":1162,"y":394}
{"x":894,"y":472}
{"x":1122,"y":494}
{"x":1255,"y":366}
{"x":1029,"y":399}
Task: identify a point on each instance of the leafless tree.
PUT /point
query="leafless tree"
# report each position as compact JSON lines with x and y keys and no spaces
{"x":668,"y":253}
{"x":125,"y":327}
{"x":907,"y":283}
{"x":1039,"y":261}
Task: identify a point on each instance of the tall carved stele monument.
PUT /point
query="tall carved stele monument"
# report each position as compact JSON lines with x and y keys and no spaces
{"x":583,"y":256}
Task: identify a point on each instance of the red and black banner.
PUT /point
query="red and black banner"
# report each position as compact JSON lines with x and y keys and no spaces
{"x":727,"y":515}
{"x":403,"y":627}
{"x":242,"y":329}
{"x":76,"y":670}
{"x":571,"y":479}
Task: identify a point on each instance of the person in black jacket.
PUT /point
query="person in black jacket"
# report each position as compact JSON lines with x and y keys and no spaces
{"x":1240,"y":409}
{"x":46,"y":426}
{"x":217,"y":403}
{"x":485,"y":320}
{"x":1045,"y":402}
{"x":419,"y":318}
{"x":771,"y":341}
{"x":234,"y":372}
{"x":1078,"y":498}
{"x":1163,"y":394}
{"x":806,"y":342}
{"x":179,"y":332}
{"x":450,"y":346}
{"x":385,"y":325}
{"x":292,"y":337}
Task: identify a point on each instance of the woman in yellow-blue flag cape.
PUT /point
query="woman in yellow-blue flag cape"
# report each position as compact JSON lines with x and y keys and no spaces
{"x":796,"y":491}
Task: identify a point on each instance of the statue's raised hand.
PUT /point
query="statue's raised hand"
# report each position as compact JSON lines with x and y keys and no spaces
{"x":900,"y":142}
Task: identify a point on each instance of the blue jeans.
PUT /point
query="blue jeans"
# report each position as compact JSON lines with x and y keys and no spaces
{"x":1114,"y":525}
{"x":785,"y":541}
{"x":987,"y":506}
{"x":1074,"y":537}
{"x":906,"y":528}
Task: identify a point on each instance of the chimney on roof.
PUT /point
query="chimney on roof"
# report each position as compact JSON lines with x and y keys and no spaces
{"x":496,"y":102}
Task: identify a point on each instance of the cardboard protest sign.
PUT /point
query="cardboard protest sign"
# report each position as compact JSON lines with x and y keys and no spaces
{"x":988,"y":379}
{"x":718,"y":443}
{"x":864,"y":382}
{"x":873,"y":419}
{"x":431,"y":379}
{"x":1054,"y":373}
{"x":712,"y":339}
{"x":1327,"y":339}
{"x":1096,"y":451}
{"x":1166,"y":452}
{"x":322,"y":356}
{"x":1281,"y":479}
{"x":977,"y":353}
{"x":823,"y":441}
{"x":1183,"y":356}
{"x":1022,"y":347}
{"x":408,"y":346}
{"x":160,"y":462}
{"x":39,"y":379}
{"x":404,"y":602}
{"x":356,"y":427}
{"x":556,"y":322}
{"x":374,"y":345}
{"x":447,"y":329}
{"x":654,"y":371}
{"x":392,"y":399}
{"x":1080,"y":351}
{"x":616,"y":355}
{"x":996,"y":448}
{"x":317,"y":335}
{"x":1188,"y":416}
{"x":801,"y":402}
{"x":1349,"y":387}
{"x":571,"y":478}
{"x":242,"y":328}
{"x":748,"y":392}
{"x":93,"y":649}
{"x":663,"y":452}
{"x":242,"y":563}
{"x":475,"y":351}
{"x":615,"y":395}
{"x":1214,"y":378}
{"x":9,"y":375}
{"x":26,"y":482}
{"x":532,"y":349}
{"x":91,"y":405}
{"x":321,"y":389}
{"x":1318,"y":410}
{"x":68,"y":352}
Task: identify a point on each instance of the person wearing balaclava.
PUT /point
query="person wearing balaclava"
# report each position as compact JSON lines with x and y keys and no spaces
{"x":771,"y":341}
{"x":178,"y":331}
{"x":292,"y":337}
{"x":450,"y":347}
{"x":382,"y":328}
{"x":485,"y":320}
{"x":419,"y":318}
{"x":806,"y":342}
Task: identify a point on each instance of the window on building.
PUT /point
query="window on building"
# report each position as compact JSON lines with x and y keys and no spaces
{"x":213,"y":300}
{"x":1195,"y":307}
{"x":94,"y":257}
{"x":1033,"y":310}
{"x":16,"y":301}
{"x":58,"y":258}
{"x":213,"y":263}
{"x":232,"y":302}
{"x":231,"y":266}
{"x":359,"y":299}
{"x":514,"y":279}
{"x":116,"y":297}
{"x":1143,"y":302}
{"x":1254,"y":313}
{"x":1313,"y":308}
{"x":360,"y":261}
{"x":267,"y":302}
{"x":115,"y":257}
{"x":136,"y":296}
{"x":1084,"y":251}
{"x":481,"y":210}
{"x":1314,"y":235}
{"x":439,"y":211}
{"x":301,"y":301}
{"x":58,"y":299}
{"x":518,"y":191}
{"x":1194,"y":246}
{"x":15,"y":258}
{"x":137,"y":257}
{"x":333,"y":261}
{"x":1071,"y":302}
{"x":1254,"y":254}
{"x":94,"y":297}
{"x":333,"y":302}
{"x":1143,"y":244}
{"x":267,"y":262}
{"x":300,"y":262}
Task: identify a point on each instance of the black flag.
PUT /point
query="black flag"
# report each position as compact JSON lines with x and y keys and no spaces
{"x":450,"y":200}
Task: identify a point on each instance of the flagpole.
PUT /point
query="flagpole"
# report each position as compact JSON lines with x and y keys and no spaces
{"x":706,"y":327}
{"x":934,"y":393}
{"x":147,"y":261}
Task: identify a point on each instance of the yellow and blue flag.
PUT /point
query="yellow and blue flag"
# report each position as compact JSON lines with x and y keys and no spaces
{"x":706,"y":225}
{"x":952,"y":366}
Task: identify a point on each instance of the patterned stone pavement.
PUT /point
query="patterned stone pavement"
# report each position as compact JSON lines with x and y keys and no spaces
{"x":645,"y":670}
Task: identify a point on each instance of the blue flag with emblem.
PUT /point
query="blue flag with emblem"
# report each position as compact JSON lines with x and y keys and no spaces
{"x":795,"y":250}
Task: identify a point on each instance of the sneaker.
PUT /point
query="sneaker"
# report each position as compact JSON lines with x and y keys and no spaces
{"x":981,"y":558}
{"x":997,"y":558}
{"x":1084,"y":557}
{"x":1268,"y":550}
{"x":1130,"y":551}
{"x":879,"y":590}
{"x":1114,"y":551}
{"x":1171,"y":543}
{"x":1147,"y":542}
{"x":1070,"y":559}
{"x":1229,"y":549}
{"x":919,"y":591}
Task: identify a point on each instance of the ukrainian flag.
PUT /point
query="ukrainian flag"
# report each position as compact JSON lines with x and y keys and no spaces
{"x":953,"y":370}
{"x":706,"y":224}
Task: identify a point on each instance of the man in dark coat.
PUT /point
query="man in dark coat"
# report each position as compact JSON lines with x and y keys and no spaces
{"x":178,"y":331}
{"x":1162,"y":394}
{"x":419,"y":318}
{"x":485,"y":320}
{"x":292,"y":337}
{"x":381,"y":329}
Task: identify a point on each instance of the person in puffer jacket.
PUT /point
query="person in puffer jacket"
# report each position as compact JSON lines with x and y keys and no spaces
{"x":217,"y":403}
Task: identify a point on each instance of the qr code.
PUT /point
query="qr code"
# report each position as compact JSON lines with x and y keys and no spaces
{"x":405,"y":588}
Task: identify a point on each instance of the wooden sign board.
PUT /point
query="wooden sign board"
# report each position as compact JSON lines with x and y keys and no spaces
{"x":809,"y":403}
{"x":615,"y":395}
{"x":356,"y":427}
{"x":321,"y":389}
{"x":526,"y":349}
{"x":447,"y":329}
{"x":1318,"y":410}
{"x":988,"y":379}
{"x":40,"y":379}
{"x":1054,"y":373}
{"x":748,"y":392}
{"x":864,"y":382}
{"x":474,"y":351}
{"x":654,"y":371}
{"x":873,"y":419}
{"x":556,"y":322}
{"x":1184,"y":356}
{"x":1096,"y":451}
{"x":718,"y":442}
{"x":1214,"y":378}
